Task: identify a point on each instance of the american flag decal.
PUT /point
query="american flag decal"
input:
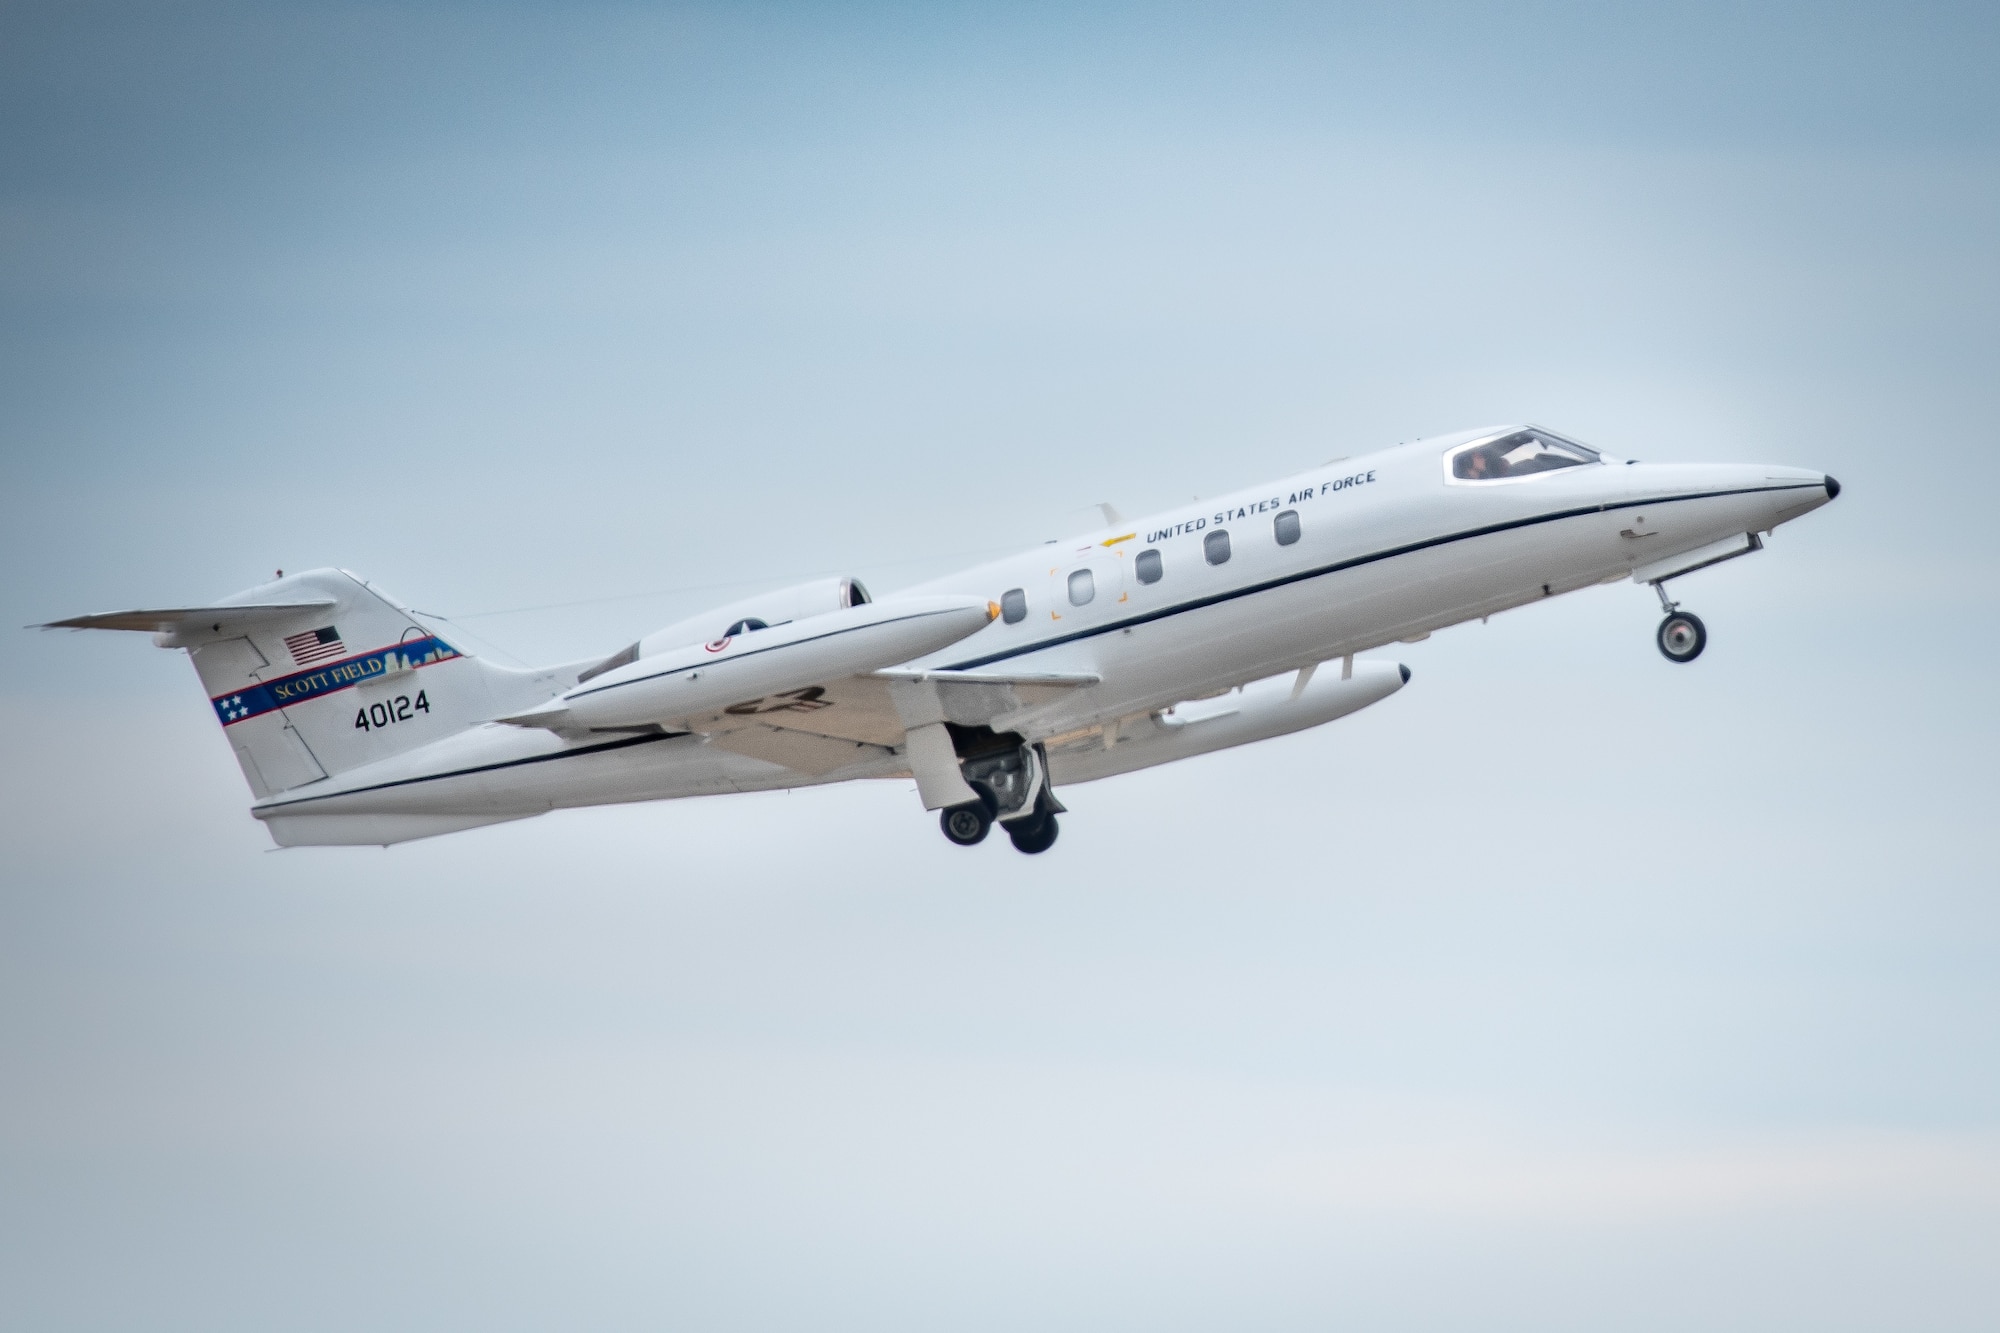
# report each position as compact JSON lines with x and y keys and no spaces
{"x":315,"y":645}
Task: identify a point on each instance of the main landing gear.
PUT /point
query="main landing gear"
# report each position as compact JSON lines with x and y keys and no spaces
{"x":1011,"y":779}
{"x":1681,"y":635}
{"x":968,"y":824}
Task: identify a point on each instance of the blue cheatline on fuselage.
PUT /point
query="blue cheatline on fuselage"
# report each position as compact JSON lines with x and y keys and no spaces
{"x":330,"y":679}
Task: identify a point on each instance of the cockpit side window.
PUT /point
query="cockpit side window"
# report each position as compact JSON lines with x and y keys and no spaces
{"x":1521,"y":453}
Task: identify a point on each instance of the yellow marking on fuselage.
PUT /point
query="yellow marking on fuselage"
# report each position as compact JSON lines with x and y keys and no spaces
{"x":1113,"y":541}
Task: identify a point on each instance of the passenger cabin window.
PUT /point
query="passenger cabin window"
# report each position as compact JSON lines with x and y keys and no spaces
{"x":1147,"y":566}
{"x":1082,"y":587}
{"x":1520,"y":454}
{"x":1215,"y":547}
{"x":1014,"y":606}
{"x":1286,"y":526}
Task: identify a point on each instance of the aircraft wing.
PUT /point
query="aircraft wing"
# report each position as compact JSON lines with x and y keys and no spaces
{"x":821,"y":728}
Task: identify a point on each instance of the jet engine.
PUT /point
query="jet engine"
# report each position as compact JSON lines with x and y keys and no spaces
{"x":689,"y":680}
{"x":743,"y":616}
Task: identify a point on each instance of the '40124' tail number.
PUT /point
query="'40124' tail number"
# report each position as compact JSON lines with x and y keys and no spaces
{"x":399,"y":709}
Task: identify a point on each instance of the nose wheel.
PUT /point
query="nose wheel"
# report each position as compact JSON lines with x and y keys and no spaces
{"x":1681,"y":635}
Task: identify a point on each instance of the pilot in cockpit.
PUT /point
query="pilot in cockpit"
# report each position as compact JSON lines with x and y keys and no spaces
{"x":1522,"y":453}
{"x":1480,"y":464}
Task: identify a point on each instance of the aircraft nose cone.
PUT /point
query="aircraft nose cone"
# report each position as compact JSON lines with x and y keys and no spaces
{"x":1832,"y":489}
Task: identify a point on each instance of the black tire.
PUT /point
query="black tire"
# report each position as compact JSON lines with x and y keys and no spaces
{"x":1033,"y":836}
{"x":1681,"y":636}
{"x":966,"y":825}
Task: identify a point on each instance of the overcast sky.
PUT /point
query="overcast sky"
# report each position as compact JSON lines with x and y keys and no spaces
{"x":1565,"y":990}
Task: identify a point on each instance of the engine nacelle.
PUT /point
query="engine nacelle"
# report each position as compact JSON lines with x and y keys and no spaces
{"x":746,"y":614}
{"x":694,"y":680}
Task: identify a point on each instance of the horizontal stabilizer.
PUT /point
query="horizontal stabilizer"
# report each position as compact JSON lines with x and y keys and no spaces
{"x":168,"y":621}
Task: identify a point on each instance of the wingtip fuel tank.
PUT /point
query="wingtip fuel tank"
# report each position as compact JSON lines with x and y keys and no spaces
{"x":1259,"y":711}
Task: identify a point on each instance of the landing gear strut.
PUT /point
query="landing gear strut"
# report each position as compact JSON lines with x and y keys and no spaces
{"x":1681,"y":635}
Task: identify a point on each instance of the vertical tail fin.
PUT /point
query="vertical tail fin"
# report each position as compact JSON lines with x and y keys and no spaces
{"x":319,"y":673}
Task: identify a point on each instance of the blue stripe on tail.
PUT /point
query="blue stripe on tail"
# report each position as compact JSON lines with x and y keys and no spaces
{"x":287,"y":691}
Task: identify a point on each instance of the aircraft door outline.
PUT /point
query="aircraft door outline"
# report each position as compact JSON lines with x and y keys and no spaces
{"x":1101,"y":574}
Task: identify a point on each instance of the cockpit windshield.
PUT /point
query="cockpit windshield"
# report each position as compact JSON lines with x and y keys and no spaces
{"x":1521,"y":453}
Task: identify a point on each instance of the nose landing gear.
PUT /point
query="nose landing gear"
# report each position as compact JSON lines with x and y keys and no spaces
{"x":1681,"y":635}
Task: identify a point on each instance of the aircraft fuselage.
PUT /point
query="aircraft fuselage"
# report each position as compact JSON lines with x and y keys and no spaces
{"x":1093,"y":654}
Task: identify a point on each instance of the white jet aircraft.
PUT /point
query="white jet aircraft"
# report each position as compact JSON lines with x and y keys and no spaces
{"x":1211,"y":625}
